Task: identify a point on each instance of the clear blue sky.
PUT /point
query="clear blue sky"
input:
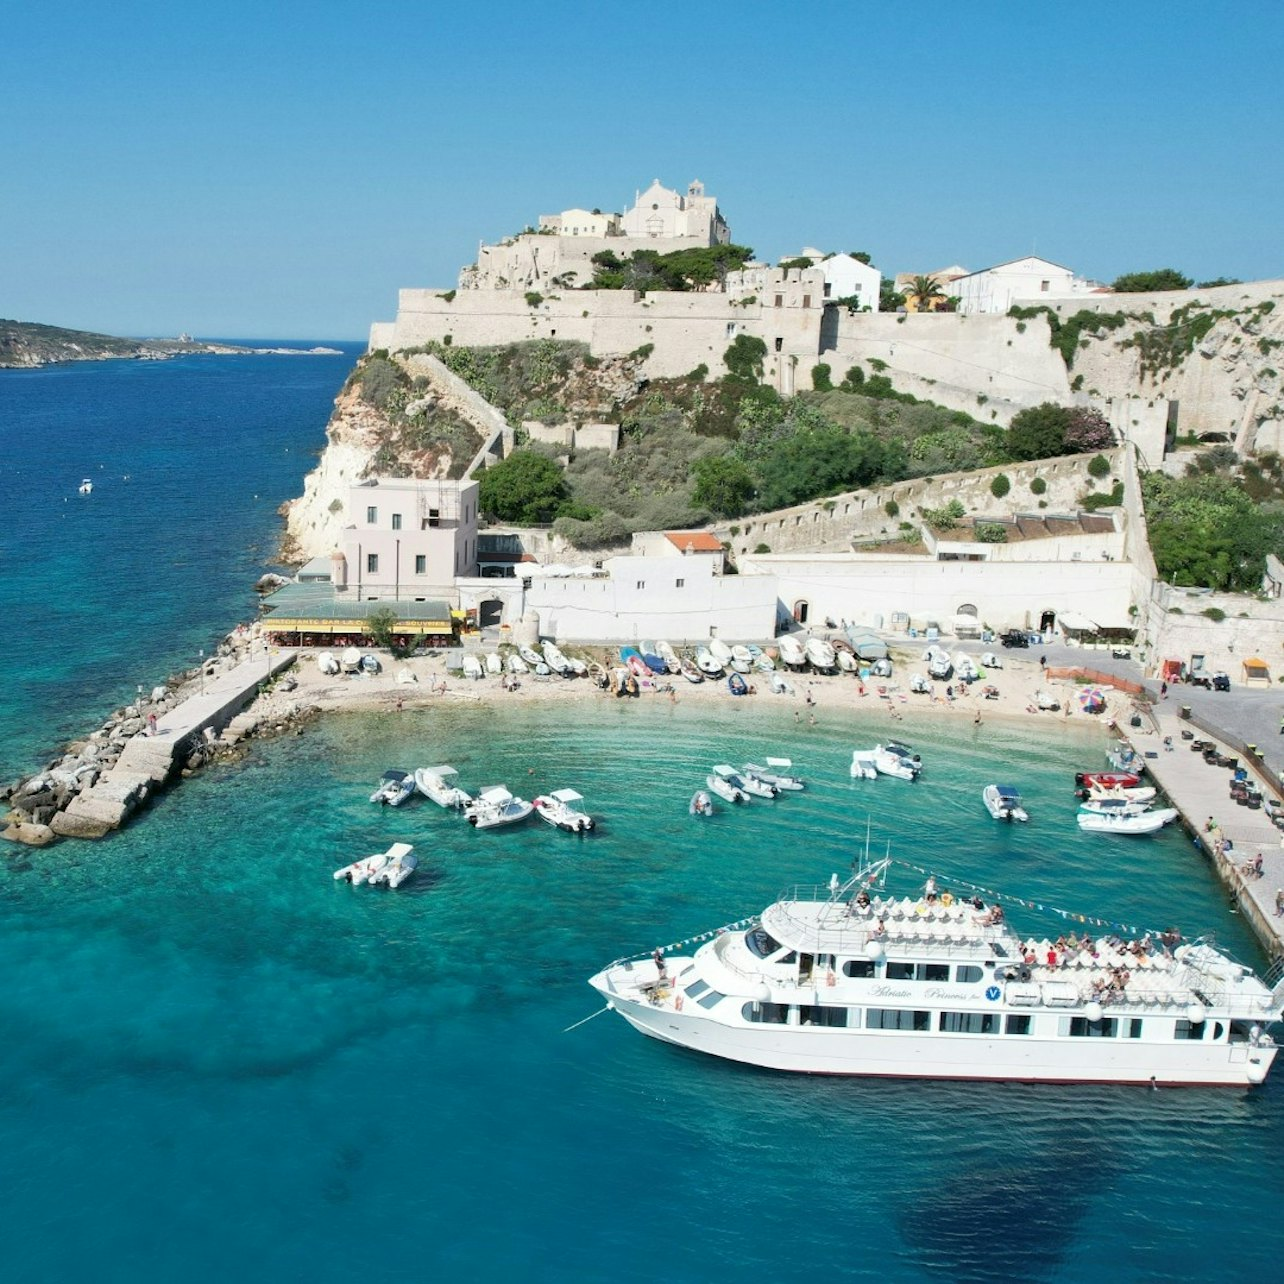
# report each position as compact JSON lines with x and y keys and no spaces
{"x":280,"y":169}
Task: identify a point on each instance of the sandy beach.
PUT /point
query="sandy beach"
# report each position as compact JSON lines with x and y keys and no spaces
{"x":813,"y":696}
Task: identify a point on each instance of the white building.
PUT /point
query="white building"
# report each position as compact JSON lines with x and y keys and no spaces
{"x":1028,"y":280}
{"x":411,"y":538}
{"x":581,"y":223}
{"x":847,"y":277}
{"x":660,"y":214}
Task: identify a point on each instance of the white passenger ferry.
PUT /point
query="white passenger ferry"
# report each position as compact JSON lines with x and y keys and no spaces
{"x":836,"y":981}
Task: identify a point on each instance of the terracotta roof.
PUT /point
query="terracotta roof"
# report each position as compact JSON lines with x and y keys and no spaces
{"x":697,"y":541}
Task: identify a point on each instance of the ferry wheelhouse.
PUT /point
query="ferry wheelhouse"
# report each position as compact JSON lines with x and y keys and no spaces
{"x":835,"y":981}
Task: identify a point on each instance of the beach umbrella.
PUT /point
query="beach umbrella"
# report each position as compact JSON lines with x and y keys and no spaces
{"x":1092,"y":700}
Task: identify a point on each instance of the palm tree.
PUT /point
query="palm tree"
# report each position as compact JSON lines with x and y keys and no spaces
{"x":925,"y":289}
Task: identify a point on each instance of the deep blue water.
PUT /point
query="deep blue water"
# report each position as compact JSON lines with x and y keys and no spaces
{"x":217,"y":1061}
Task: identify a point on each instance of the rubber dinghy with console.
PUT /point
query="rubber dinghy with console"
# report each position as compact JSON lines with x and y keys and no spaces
{"x":897,"y":760}
{"x":724,"y":782}
{"x":399,"y":866}
{"x":559,"y":810}
{"x":368,"y":867}
{"x":776,"y":772}
{"x":438,"y":784}
{"x":394,"y":788}
{"x":1149,"y":822}
{"x":496,"y":806}
{"x":1003,"y":802}
{"x":748,"y":784}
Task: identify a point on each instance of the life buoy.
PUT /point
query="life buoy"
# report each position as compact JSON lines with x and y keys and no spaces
{"x":947,"y":900}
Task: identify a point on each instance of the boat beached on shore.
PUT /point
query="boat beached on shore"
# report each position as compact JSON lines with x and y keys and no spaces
{"x":834,"y":980}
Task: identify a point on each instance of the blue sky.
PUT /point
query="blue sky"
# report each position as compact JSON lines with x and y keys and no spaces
{"x":280,"y":169}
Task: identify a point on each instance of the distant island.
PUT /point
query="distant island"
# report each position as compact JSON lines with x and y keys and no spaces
{"x":26,"y":344}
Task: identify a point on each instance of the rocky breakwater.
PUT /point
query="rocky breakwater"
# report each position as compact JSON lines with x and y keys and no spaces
{"x":99,"y":782}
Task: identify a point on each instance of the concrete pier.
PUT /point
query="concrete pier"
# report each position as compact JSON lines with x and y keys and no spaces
{"x":148,"y":762}
{"x":1200,"y":791}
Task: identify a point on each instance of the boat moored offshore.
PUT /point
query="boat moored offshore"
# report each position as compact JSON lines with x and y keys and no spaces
{"x":1003,"y":802}
{"x":833,"y":980}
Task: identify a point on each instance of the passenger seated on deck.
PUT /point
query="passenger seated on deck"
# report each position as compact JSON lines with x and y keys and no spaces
{"x":1052,"y":958}
{"x":862,"y":899}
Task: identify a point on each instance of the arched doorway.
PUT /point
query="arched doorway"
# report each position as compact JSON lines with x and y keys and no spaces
{"x":800,"y":611}
{"x":1046,"y":621}
{"x":490,"y":613}
{"x":967,"y":609}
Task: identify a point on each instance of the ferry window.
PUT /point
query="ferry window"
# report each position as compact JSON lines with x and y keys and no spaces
{"x":897,"y":1019}
{"x":967,"y":973}
{"x":934,"y":972}
{"x":1218,"y":1031}
{"x":696,"y":989}
{"x":918,"y":972}
{"x":1018,"y":1024}
{"x":761,"y":942}
{"x":1132,"y":1028}
{"x":790,"y":958}
{"x":1082,"y":1028}
{"x":858,"y":967}
{"x":900,"y":971}
{"x":822,"y":1016}
{"x":711,"y":999}
{"x":969,"y":1022}
{"x":768,"y":1013}
{"x":1187,"y":1030}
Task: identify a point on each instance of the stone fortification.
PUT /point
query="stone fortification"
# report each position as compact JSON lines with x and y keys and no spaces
{"x":1213,"y":355}
{"x":858,"y":517}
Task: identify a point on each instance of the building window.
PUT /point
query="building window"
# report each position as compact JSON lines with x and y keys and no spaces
{"x":396,"y":521}
{"x":434,"y":517}
{"x":641,"y":585}
{"x":780,"y":345}
{"x":780,"y":300}
{"x":679,"y":583}
{"x":421,"y":564}
{"x":372,"y":516}
{"x":806,"y":300}
{"x":1044,"y":286}
{"x":372,"y":563}
{"x":731,"y":329}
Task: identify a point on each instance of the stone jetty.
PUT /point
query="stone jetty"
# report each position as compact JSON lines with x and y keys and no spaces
{"x":98,"y":783}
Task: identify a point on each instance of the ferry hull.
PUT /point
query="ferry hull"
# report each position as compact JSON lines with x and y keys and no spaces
{"x":902,"y":1055}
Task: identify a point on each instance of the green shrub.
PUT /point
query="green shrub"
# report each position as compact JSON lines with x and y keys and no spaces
{"x":699,"y":374}
{"x":1038,"y":486}
{"x":1214,"y":613}
{"x":641,"y":353}
{"x":1099,"y":466}
{"x":762,"y":548}
{"x":1111,"y":499}
{"x":990,"y":533}
{"x":820,"y":378}
{"x":1000,"y":486}
{"x":534,"y":298}
{"x":743,"y":358}
{"x":945,"y":518}
{"x":447,"y":297}
{"x":892,"y":508}
{"x":380,"y":381}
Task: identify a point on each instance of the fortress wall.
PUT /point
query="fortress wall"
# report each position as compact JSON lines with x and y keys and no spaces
{"x":983,"y":365}
{"x":836,"y":522}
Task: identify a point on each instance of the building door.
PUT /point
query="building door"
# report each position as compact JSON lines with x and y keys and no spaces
{"x":800,"y":611}
{"x":490,"y":613}
{"x":1046,"y":621}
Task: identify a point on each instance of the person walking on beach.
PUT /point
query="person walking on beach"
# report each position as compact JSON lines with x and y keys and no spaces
{"x":1163,"y":690}
{"x":1279,"y":902}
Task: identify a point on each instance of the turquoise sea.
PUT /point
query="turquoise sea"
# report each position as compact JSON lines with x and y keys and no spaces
{"x":219,"y":1062}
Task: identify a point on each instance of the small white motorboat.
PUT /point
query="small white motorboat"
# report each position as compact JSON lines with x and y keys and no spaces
{"x":1003,"y":802}
{"x":558,"y":808}
{"x":86,"y":487}
{"x":438,"y":783}
{"x":965,"y":667}
{"x":365,"y":869}
{"x":397,"y":868}
{"x":516,"y":665}
{"x":701,"y":804}
{"x":720,"y":652}
{"x":820,"y":655}
{"x":669,"y":656}
{"x":989,"y":660}
{"x":707,"y":662}
{"x":919,"y":684}
{"x":1046,"y":701}
{"x":405,"y":677}
{"x":327,"y":663}
{"x":578,"y":667}
{"x":351,"y":660}
{"x":780,"y":685}
{"x":1115,"y":806}
{"x":881,"y":668}
{"x":472,"y":666}
{"x":726,"y":783}
{"x":496,"y":806}
{"x":897,"y":760}
{"x":394,"y":788}
{"x":846,"y":661}
{"x":689,"y":671}
{"x":864,"y":764}
{"x":776,"y":772}
{"x":556,"y":661}
{"x":1148,"y":822}
{"x":1133,"y":793}
{"x":370,"y":664}
{"x":764,"y":663}
{"x":494,"y":664}
{"x":940,"y":666}
{"x":741,"y":660}
{"x":792,"y":652}
{"x":531,"y":657}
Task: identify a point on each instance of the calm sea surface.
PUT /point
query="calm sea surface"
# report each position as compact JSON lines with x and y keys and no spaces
{"x":216,"y":1061}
